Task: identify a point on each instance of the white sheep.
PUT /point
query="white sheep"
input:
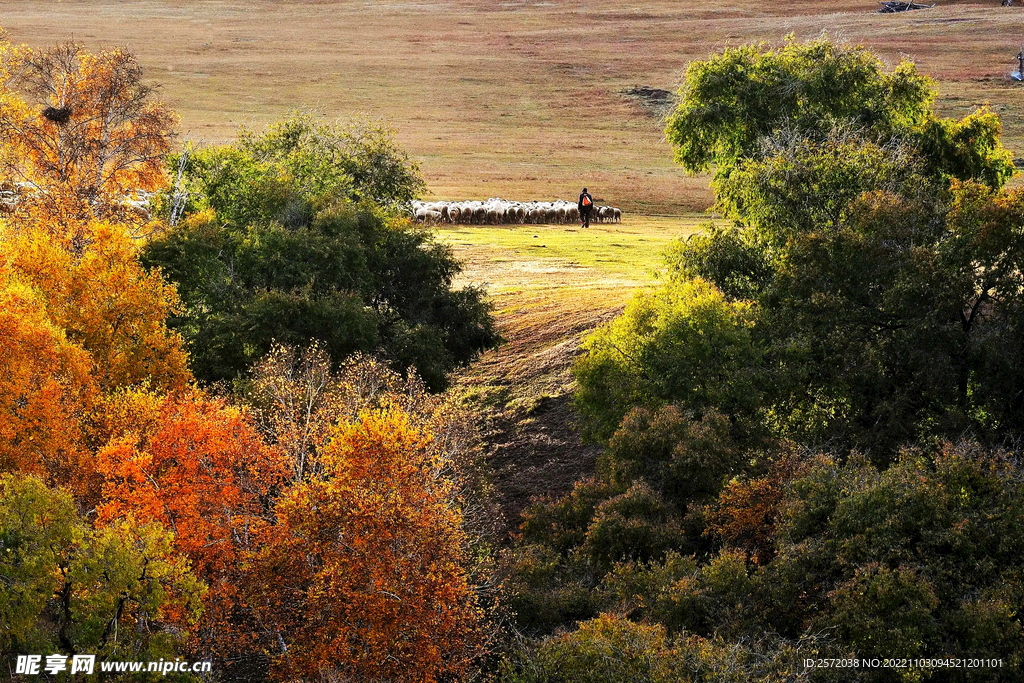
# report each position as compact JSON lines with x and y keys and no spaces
{"x":493,"y":211}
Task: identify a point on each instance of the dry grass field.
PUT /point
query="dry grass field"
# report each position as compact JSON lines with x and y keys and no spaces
{"x":523,"y":100}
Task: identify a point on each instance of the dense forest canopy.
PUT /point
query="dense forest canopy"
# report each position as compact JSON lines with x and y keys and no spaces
{"x":810,"y":429}
{"x":222,"y":436}
{"x":293,"y":235}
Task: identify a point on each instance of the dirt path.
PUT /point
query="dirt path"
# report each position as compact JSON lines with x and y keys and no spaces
{"x":550,"y":292}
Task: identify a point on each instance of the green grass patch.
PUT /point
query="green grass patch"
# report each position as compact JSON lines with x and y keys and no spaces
{"x":632,"y":250}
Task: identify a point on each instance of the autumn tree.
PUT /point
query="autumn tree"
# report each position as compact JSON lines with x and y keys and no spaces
{"x":299,"y":398}
{"x":191,"y":462}
{"x":298,"y":401}
{"x":64,"y":270}
{"x":77,"y":327}
{"x":104,"y":301}
{"x":81,"y":132}
{"x":363,"y":575}
{"x":199,"y":468}
{"x":45,"y":390}
{"x":749,"y":508}
{"x":82,"y":317}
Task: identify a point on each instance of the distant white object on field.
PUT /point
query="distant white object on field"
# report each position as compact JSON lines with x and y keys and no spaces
{"x":498,"y":211}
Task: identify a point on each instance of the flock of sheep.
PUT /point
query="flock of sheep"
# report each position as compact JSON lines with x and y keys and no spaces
{"x":12,"y":193}
{"x":498,"y":211}
{"x":494,"y":211}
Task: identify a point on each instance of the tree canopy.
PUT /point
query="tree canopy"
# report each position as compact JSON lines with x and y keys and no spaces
{"x":81,"y":133}
{"x":287,"y":238}
{"x":117,"y":591}
{"x":747,"y":102}
{"x":803,"y":426}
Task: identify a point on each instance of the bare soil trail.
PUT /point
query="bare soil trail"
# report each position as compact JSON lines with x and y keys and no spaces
{"x":551,"y":286}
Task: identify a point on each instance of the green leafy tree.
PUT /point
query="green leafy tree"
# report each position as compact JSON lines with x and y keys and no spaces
{"x":886,"y":306}
{"x":607,"y":649}
{"x":870,"y":237}
{"x":866,"y":296}
{"x":647,"y":507}
{"x":918,"y":559}
{"x":119,"y":592}
{"x":684,"y":458}
{"x":683,"y":343}
{"x":741,"y":103}
{"x":286,"y":239}
{"x":613,"y":649}
{"x":275,"y":173}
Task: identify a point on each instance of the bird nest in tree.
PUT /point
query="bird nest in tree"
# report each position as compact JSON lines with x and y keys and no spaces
{"x":57,"y":114}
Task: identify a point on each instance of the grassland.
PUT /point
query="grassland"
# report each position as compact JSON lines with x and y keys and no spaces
{"x":508,"y":98}
{"x":552,"y":284}
{"x":523,"y":100}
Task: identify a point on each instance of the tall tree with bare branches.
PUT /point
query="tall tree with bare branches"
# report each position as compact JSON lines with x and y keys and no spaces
{"x":81,"y":131}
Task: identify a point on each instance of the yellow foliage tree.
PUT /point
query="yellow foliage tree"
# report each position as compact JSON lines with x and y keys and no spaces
{"x":80,"y":134}
{"x":363,"y":576}
{"x":105,"y":301}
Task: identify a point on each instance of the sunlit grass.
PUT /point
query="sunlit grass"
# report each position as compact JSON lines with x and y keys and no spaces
{"x":558,"y":256}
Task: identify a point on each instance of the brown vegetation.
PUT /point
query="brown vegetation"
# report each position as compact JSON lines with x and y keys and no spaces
{"x":506,"y":98}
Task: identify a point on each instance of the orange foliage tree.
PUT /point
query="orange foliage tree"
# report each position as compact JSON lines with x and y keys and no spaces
{"x":299,"y":400}
{"x":363,"y":576}
{"x":200,"y":468}
{"x":80,"y":132}
{"x":45,"y":388}
{"x":74,"y":328}
{"x":192,"y":463}
{"x":336,"y":531}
